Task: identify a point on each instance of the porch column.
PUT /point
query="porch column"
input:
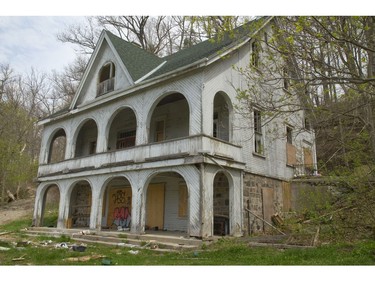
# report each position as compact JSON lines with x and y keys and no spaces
{"x":236,"y":203}
{"x":38,"y":207}
{"x":206,"y":202}
{"x":136,"y":222}
{"x":102,"y":141}
{"x":94,"y":213}
{"x":61,"y":219}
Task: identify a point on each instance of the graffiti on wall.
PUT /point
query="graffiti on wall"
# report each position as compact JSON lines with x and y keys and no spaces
{"x":119,"y":208}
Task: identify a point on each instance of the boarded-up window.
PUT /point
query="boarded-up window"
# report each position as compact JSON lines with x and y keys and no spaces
{"x":307,"y":154}
{"x":287,"y":197}
{"x":182,"y":201}
{"x":291,"y":152}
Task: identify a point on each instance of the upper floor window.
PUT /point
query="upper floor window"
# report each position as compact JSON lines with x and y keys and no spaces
{"x":258,"y":136}
{"x":289,"y":135}
{"x":106,"y":81}
{"x":255,"y":53}
{"x":286,"y":81}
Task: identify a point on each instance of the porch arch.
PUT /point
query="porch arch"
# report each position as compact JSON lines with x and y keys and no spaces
{"x":121,"y":128}
{"x":168,"y":118}
{"x":85,"y":138}
{"x":222,"y":200}
{"x":79,"y":204}
{"x":40,"y":204}
{"x":167,"y":202}
{"x":115,"y":206}
{"x":56,"y":146}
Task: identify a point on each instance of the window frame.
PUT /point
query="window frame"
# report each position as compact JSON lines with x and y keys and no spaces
{"x":258,"y":132}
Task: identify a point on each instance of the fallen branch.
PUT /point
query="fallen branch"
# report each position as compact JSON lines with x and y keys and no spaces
{"x":19,"y":259}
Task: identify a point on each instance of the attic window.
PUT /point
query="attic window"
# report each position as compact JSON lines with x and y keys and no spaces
{"x":106,"y":79}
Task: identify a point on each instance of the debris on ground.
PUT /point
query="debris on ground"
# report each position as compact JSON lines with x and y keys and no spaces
{"x":19,"y":259}
{"x":106,"y":261}
{"x":84,"y":258}
{"x":79,"y":248}
{"x":62,"y":245}
{"x":134,"y":252}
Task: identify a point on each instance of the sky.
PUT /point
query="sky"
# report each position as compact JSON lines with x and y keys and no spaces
{"x":28,"y":29}
{"x":30,"y":41}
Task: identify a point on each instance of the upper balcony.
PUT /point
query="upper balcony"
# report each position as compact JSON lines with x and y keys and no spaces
{"x":155,"y":152}
{"x":168,"y":129}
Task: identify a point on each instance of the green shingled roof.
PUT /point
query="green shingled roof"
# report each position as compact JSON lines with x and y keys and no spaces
{"x":140,"y":62}
{"x":136,"y":60}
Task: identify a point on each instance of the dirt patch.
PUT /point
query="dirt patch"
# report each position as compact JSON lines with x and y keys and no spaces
{"x":19,"y":209}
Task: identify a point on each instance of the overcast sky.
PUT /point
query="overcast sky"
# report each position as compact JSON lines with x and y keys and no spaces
{"x":28,"y":39}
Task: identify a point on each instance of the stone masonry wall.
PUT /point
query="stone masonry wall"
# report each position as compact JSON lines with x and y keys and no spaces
{"x":264,"y":197}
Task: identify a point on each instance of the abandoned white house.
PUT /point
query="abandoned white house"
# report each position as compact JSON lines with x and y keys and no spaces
{"x":155,"y":143}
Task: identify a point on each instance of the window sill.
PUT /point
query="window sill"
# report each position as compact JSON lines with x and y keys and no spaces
{"x":259,"y":155}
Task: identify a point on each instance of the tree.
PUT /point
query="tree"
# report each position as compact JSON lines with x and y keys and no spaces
{"x":20,"y":107}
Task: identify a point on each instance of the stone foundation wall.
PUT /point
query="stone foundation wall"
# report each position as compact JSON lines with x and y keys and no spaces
{"x":263,"y":197}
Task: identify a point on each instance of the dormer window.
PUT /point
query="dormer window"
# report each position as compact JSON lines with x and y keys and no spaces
{"x":106,"y":81}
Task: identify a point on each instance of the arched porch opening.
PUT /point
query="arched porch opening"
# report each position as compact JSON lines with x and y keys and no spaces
{"x":117,"y":205}
{"x":86,"y":139}
{"x":57,"y":147}
{"x":167,"y":203}
{"x":169,"y":119}
{"x":221,"y":204}
{"x":222,"y":115}
{"x":122,"y":131}
{"x":80,"y":205}
{"x":50,"y":206}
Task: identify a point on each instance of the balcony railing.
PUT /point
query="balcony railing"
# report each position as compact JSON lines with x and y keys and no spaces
{"x":106,"y":86}
{"x":175,"y":148}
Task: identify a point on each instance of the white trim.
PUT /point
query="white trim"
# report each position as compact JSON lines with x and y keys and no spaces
{"x":150,"y":73}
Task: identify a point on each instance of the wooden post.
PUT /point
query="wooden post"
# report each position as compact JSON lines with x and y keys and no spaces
{"x":248,"y":218}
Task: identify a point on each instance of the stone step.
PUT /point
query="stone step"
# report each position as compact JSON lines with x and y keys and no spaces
{"x":125,"y":239}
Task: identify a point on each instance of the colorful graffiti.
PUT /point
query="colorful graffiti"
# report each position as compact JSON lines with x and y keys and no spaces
{"x":122,"y":217}
{"x":119,"y":208}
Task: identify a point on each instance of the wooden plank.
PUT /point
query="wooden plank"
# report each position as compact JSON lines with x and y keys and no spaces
{"x":268,"y":209}
{"x":182,"y":200}
{"x":291,"y":154}
{"x":155,"y":206}
{"x":287,"y":197}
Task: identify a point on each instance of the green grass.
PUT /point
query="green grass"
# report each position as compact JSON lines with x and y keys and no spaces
{"x":223,"y":252}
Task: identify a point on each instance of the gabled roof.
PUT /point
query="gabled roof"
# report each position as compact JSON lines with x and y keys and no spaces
{"x":143,"y":66}
{"x":140,"y":63}
{"x":137,"y":61}
{"x":210,"y":48}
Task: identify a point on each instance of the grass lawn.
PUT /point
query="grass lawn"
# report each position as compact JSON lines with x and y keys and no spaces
{"x":224,"y":252}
